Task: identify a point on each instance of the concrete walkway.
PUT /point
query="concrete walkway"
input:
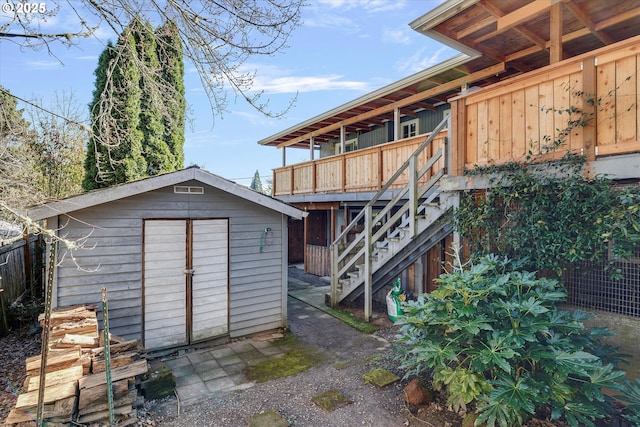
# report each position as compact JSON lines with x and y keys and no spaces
{"x":214,"y":370}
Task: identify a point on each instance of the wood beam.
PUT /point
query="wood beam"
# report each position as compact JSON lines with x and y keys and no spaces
{"x":633,"y":13}
{"x":525,"y":13}
{"x":531,"y":50}
{"x":429,"y":93}
{"x":587,"y":22}
{"x":555,"y":34}
{"x":497,"y":13}
{"x":475,"y":27}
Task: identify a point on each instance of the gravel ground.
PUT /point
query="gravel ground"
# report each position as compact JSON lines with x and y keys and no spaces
{"x":291,"y":397}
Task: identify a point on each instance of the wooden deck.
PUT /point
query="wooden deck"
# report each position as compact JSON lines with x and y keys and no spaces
{"x":361,"y":170}
{"x":589,"y":102}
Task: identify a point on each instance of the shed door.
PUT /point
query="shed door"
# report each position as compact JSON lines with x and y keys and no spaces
{"x":185,"y":281}
{"x":210,"y":264}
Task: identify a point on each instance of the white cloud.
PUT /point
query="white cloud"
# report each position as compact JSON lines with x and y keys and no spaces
{"x":87,"y":58}
{"x":255,"y":119}
{"x":398,"y":35}
{"x":45,"y":65}
{"x":422,"y":59}
{"x":370,"y":6}
{"x":346,"y":15}
{"x":293,"y":84}
{"x":277,"y":80}
{"x":325,"y":19}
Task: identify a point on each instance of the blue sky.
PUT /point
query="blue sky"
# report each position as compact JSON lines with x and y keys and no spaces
{"x":343,"y":50}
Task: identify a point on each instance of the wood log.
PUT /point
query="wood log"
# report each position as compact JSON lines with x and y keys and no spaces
{"x":103,"y":415}
{"x":119,"y":348}
{"x":136,"y":368}
{"x":99,"y":365}
{"x":70,"y":310}
{"x":98,"y":394}
{"x":60,"y":408}
{"x":82,"y":327}
{"x":56,"y":360}
{"x":51,"y":394}
{"x":85,"y":361}
{"x":125,"y":400}
{"x":72,"y":340}
{"x":67,"y":375}
{"x":113,"y":339}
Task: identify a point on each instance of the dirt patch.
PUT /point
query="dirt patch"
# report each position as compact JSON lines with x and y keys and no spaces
{"x":14,"y":349}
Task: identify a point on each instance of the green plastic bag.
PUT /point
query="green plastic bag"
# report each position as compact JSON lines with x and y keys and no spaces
{"x":395,"y":297}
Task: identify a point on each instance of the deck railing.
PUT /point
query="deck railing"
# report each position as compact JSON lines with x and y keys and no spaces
{"x":368,"y":169}
{"x":593,"y":98}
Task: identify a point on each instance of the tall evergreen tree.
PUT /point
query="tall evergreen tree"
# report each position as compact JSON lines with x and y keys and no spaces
{"x":256,"y":183}
{"x":138,"y":128}
{"x":158,"y":155}
{"x":170,"y":56}
{"x":127,"y":155}
{"x":94,"y":151}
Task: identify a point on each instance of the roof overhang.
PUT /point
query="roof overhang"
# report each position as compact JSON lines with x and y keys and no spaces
{"x":348,"y":113}
{"x":498,"y":39}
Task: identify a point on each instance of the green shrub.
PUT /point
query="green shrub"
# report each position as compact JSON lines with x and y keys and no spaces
{"x":493,"y":336}
{"x":631,"y":396}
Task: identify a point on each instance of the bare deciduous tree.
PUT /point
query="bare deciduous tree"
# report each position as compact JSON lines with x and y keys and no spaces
{"x":218,"y":36}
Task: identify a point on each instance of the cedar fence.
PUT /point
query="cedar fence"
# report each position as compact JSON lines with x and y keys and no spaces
{"x":20,"y":274}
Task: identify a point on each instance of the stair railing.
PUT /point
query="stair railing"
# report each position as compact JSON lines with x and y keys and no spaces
{"x":343,"y":261}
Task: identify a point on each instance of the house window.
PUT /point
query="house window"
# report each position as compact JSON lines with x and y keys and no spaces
{"x":349,"y":145}
{"x":409,"y":128}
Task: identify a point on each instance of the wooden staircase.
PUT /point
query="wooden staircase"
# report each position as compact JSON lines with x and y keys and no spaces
{"x":416,"y":217}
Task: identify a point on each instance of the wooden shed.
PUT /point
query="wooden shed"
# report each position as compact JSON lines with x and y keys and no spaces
{"x":185,"y":256}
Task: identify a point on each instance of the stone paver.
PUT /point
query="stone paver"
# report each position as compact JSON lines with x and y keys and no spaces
{"x":209,"y":372}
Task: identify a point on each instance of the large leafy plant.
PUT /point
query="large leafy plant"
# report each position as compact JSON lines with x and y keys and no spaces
{"x":493,"y":336}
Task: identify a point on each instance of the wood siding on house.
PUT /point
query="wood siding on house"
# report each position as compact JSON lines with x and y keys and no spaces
{"x":113,"y":256}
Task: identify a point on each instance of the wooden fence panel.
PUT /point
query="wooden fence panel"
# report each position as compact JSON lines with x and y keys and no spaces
{"x":317,"y":260}
{"x":19,"y":270}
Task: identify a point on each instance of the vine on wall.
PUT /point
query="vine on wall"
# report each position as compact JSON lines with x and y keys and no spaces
{"x":548,"y":213}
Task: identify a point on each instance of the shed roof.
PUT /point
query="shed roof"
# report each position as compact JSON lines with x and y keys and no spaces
{"x":105,"y":195}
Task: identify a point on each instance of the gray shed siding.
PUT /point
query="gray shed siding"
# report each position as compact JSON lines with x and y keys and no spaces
{"x":114,"y":242}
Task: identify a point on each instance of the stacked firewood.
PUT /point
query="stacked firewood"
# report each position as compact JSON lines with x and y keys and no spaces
{"x":76,"y":381}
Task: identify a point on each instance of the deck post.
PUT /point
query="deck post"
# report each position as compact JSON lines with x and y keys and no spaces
{"x":457,"y":130}
{"x":368,"y":274}
{"x":589,"y":88}
{"x":413,"y":194}
{"x":333,"y":249}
